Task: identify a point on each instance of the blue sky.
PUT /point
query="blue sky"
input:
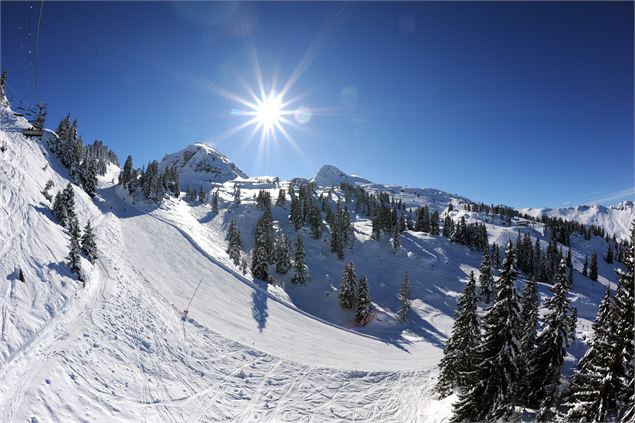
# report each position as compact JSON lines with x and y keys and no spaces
{"x":527,"y":104}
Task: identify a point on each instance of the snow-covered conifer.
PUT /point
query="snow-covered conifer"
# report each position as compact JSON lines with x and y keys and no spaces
{"x":282,"y":254}
{"x":281,"y":201}
{"x":47,"y":188}
{"x":593,"y":269}
{"x":348,"y":286}
{"x":233,"y":243}
{"x":260,"y":255}
{"x":493,"y":395}
{"x":404,"y":298}
{"x":301,"y":271}
{"x":545,"y":364}
{"x":529,"y":319}
{"x":364,"y":305}
{"x":485,"y":279}
{"x":126,"y":173}
{"x":458,"y":365}
{"x":89,"y":247}
{"x":74,"y":254}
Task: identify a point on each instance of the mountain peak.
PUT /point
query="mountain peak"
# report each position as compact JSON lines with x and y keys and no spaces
{"x":329,"y":175}
{"x":200,"y":163}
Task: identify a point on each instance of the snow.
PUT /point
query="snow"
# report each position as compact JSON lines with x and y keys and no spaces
{"x":117,"y":350}
{"x":200,"y":165}
{"x":616,"y":219}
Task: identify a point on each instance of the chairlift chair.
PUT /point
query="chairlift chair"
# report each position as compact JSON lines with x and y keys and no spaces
{"x":33,"y":132}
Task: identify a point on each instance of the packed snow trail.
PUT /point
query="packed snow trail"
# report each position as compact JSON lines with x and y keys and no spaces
{"x":247,"y":315}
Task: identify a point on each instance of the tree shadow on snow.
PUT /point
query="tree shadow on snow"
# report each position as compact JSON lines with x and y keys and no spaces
{"x":108,"y":201}
{"x":46,"y":212}
{"x":259,"y":304}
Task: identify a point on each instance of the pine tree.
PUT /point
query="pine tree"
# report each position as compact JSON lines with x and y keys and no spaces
{"x":624,"y":335}
{"x":89,"y":247}
{"x":126,"y":173}
{"x":88,"y":175}
{"x":493,"y":395}
{"x":404,"y":299}
{"x":543,"y":377}
{"x":233,"y":243}
{"x":282,"y":254}
{"x":295,"y":216}
{"x":215,"y":196}
{"x":74,"y":258}
{"x":593,"y":270}
{"x":585,"y":269}
{"x":529,"y":319}
{"x":458,"y":367}
{"x":434,"y":223}
{"x":496,"y":256}
{"x":609,"y":254}
{"x":593,"y":390}
{"x":301,"y":272}
{"x":47,"y":188}
{"x":347,"y":286}
{"x":237,"y":196}
{"x":485,"y":279}
{"x":395,"y":240}
{"x":260,"y":254}
{"x":281,"y":201}
{"x":364,"y":305}
{"x":201,"y":195}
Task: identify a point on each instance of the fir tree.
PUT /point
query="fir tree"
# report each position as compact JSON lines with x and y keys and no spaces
{"x":301,"y":272}
{"x":347,"y":286}
{"x":458,"y":367}
{"x":624,"y":335}
{"x":73,"y":260}
{"x":88,"y":175}
{"x":89,"y":247}
{"x":395,"y":240}
{"x":281,"y":201}
{"x":609,"y":254}
{"x":233,"y":243}
{"x":215,"y":196}
{"x":496,"y":256}
{"x":237,"y":196}
{"x":404,"y":299}
{"x":260,"y":255}
{"x":585,"y":269}
{"x":47,"y":188}
{"x":434,"y":223}
{"x":282,"y":254}
{"x":485,"y":279}
{"x":593,"y":389}
{"x":201,"y":195}
{"x":126,"y":173}
{"x":543,"y":377}
{"x":593,"y":269}
{"x":529,"y":319}
{"x":493,"y":395}
{"x":364,"y":305}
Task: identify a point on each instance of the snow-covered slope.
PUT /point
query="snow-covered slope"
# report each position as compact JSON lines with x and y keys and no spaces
{"x":329,"y":176}
{"x":199,"y":165}
{"x":117,"y":349}
{"x":616,"y":219}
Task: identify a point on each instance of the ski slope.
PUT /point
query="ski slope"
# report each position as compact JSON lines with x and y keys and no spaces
{"x":118,"y":350}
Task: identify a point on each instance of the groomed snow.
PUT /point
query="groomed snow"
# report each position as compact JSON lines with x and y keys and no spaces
{"x":117,"y":350}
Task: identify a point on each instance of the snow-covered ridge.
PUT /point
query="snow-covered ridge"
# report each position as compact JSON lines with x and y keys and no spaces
{"x":329,"y":175}
{"x":616,"y":219}
{"x":201,"y":164}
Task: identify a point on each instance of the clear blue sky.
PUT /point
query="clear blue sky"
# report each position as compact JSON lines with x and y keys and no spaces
{"x":527,"y":104}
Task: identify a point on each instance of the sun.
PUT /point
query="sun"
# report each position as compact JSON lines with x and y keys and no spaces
{"x":268,"y":112}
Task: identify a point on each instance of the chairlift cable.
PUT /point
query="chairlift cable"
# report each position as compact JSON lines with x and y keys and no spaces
{"x":37,"y":45}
